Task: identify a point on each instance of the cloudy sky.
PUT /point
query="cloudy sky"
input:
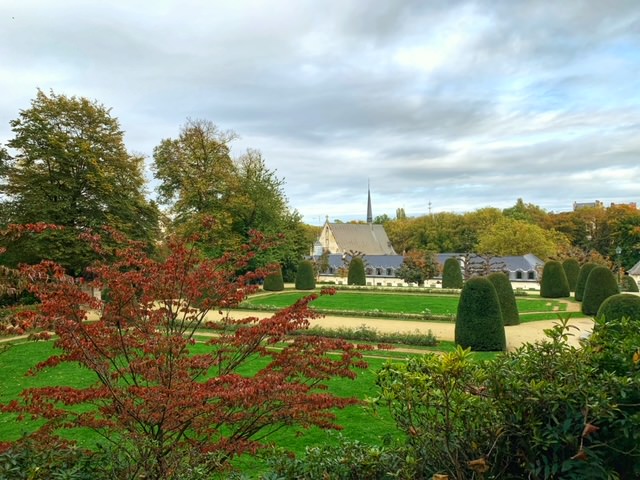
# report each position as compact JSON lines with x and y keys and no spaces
{"x":457,"y":104}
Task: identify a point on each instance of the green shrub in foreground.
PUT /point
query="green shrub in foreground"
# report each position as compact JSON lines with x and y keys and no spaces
{"x":600,"y":285}
{"x":585,"y":270}
{"x":356,"y":274}
{"x":554,"y":282}
{"x":305,"y":277}
{"x":451,"y":274}
{"x":479,"y":320}
{"x":572,"y":271}
{"x":620,"y":305}
{"x":273,"y":282}
{"x":507,"y":298}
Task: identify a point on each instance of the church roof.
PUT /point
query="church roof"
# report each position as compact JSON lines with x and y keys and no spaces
{"x":370,"y":239}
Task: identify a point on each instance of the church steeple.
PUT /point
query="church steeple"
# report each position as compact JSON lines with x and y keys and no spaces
{"x":369,"y":211}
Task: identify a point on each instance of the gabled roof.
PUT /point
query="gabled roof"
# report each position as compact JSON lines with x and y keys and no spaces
{"x":635,"y":270}
{"x":513,"y":263}
{"x":335,"y":260}
{"x":370,"y":239}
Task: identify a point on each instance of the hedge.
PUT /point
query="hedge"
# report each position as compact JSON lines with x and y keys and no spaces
{"x":451,"y":274}
{"x":479,"y":320}
{"x":582,"y":279}
{"x":571,"y":269}
{"x":600,"y":285}
{"x":554,"y":282}
{"x":506,"y":297}
{"x":305,"y":277}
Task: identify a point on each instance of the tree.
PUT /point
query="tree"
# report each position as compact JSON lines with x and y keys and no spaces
{"x":451,"y":274}
{"x":356,"y":274}
{"x":508,"y":305}
{"x":417,"y":266}
{"x":620,"y":305}
{"x":71,"y":169}
{"x":554,"y":281}
{"x":585,"y":270}
{"x":163,"y":402}
{"x":571,"y":269}
{"x":479,"y":319}
{"x":601,"y":284}
{"x":528,"y":212}
{"x":305,"y":277}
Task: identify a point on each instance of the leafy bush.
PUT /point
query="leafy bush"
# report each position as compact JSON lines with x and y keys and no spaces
{"x":601,"y":284}
{"x":479,"y":320}
{"x":554,"y":282}
{"x":585,"y":270}
{"x":629,"y":284}
{"x":273,"y":282}
{"x":305,"y":277}
{"x":451,"y":274}
{"x":356,"y":274}
{"x":507,"y":298}
{"x":572,"y":271}
{"x":368,"y":334}
{"x":620,"y":305}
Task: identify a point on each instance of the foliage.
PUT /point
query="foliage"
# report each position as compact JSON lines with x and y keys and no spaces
{"x":450,"y":428}
{"x":305,"y":277}
{"x":554,"y":282}
{"x":162,"y":408}
{"x":508,"y":305}
{"x":356,"y":274}
{"x":417,"y":266}
{"x":479,"y":320}
{"x":365,"y":333}
{"x":620,"y":305}
{"x":600,"y":285}
{"x":451,"y":274}
{"x":571,"y":269}
{"x":273,"y":281}
{"x":585,"y":270}
{"x":629,"y":284}
{"x":71,"y":169}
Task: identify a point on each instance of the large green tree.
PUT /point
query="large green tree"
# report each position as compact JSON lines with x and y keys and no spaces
{"x":69,"y":166}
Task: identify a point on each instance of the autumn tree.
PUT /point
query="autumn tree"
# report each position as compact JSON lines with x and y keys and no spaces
{"x":165,"y":402}
{"x":417,"y":266}
{"x":71,"y":168}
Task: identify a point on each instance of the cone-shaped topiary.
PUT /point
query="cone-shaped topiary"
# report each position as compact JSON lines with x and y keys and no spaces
{"x":554,"y":282}
{"x":585,"y":270}
{"x":620,"y":305}
{"x":600,"y":285}
{"x":305,"y":277}
{"x":571,"y":270}
{"x":508,"y":306}
{"x":451,"y":274}
{"x":629,"y":284}
{"x":356,"y":275}
{"x":479,"y":320}
{"x":273,"y":282}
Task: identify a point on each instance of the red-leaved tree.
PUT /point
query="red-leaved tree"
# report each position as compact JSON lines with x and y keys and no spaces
{"x":166,"y":396}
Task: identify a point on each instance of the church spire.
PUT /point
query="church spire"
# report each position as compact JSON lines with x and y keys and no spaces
{"x":369,"y":211}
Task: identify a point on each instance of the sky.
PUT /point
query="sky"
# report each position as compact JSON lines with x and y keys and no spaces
{"x":438,"y":105}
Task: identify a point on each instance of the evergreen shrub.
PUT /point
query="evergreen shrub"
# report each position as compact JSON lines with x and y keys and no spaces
{"x":479,"y":321}
{"x":554,"y":282}
{"x":305,"y":277}
{"x":629,"y":284}
{"x":571,"y":269}
{"x":356,"y":274}
{"x":451,"y":274}
{"x":601,"y":284}
{"x":508,"y":306}
{"x":585,"y":270}
{"x":273,"y":282}
{"x":621,"y":305}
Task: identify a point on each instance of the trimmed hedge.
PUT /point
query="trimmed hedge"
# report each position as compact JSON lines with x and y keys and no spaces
{"x":356,"y":274}
{"x":620,"y":305}
{"x":600,"y":285}
{"x":571,"y":269}
{"x":508,"y":306}
{"x":451,"y":274}
{"x":554,"y":282}
{"x":273,"y":282}
{"x":305,"y":277}
{"x":629,"y":284}
{"x":582,"y":279}
{"x":479,"y":321}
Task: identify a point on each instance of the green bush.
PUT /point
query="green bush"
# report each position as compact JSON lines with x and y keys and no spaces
{"x":629,"y":284}
{"x":620,"y":305}
{"x":571,"y":269}
{"x":508,"y":305}
{"x":554,"y":282}
{"x":274,"y":282}
{"x":479,"y":320}
{"x":601,"y":284}
{"x":305,"y":277}
{"x":356,"y":274}
{"x":585,"y":270}
{"x":451,"y":274}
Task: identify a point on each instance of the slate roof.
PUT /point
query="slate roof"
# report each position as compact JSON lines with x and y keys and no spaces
{"x":370,"y":239}
{"x":375,"y":261}
{"x":514,"y":263}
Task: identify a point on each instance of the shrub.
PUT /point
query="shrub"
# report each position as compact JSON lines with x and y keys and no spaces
{"x":629,"y":284}
{"x":601,"y":284}
{"x":585,"y":270}
{"x":479,"y":321}
{"x":356,"y":275}
{"x":619,"y":306}
{"x":451,"y":274}
{"x":554,"y":281}
{"x":274,"y":282}
{"x":507,"y":298}
{"x":571,"y":269}
{"x":305,"y":277}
